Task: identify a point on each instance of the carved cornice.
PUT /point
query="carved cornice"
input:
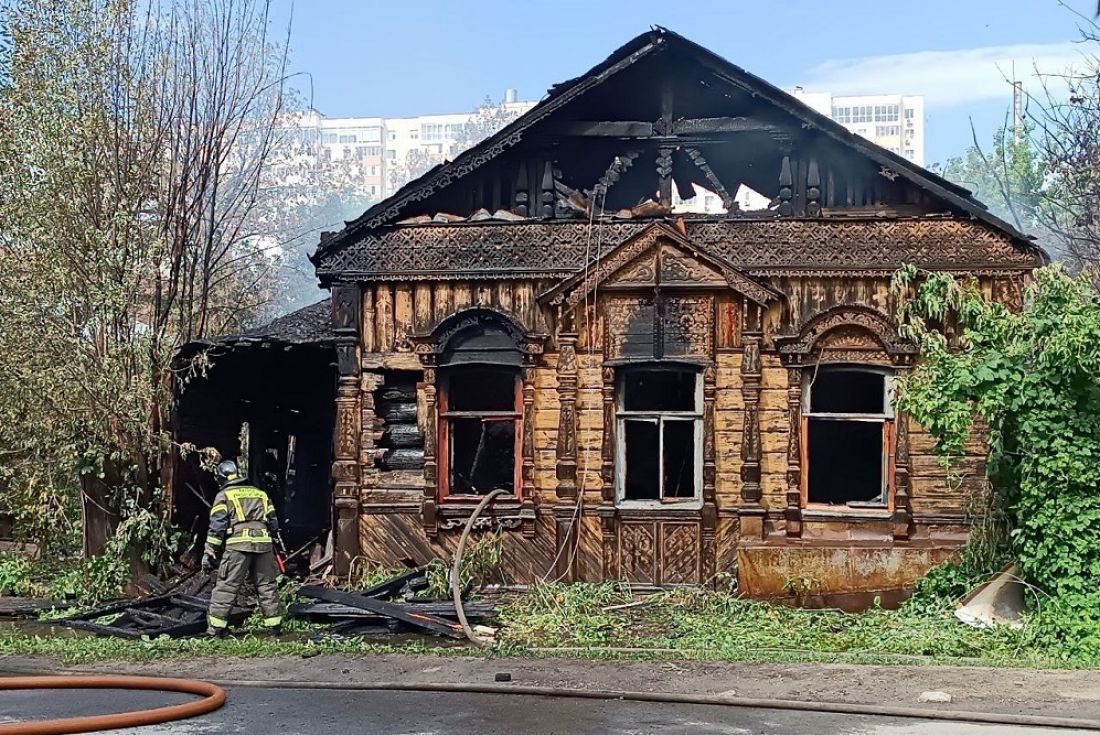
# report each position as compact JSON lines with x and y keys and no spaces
{"x":852,"y":330}
{"x":553,"y":249}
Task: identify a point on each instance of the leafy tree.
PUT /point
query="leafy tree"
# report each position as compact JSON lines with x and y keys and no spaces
{"x":1029,"y":377}
{"x":134,"y":139}
{"x":1008,"y":179}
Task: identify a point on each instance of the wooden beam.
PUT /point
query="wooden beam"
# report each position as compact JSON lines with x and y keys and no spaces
{"x":638,"y":129}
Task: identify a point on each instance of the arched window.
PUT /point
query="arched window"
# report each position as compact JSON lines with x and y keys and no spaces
{"x":480,"y":408}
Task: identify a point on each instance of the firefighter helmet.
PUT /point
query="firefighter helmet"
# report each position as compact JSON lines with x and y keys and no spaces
{"x":227,"y":472}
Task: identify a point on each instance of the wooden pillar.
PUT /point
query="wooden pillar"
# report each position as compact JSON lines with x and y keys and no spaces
{"x":607,"y":474}
{"x":565,"y":510}
{"x":793,"y":512}
{"x":901,"y":519}
{"x":752,"y":510}
{"x":710,"y":506}
{"x":348,"y":429}
{"x":527,"y":469}
{"x":429,"y":505}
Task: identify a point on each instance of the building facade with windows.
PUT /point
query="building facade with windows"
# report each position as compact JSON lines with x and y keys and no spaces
{"x":377,"y":146}
{"x":657,"y":396}
{"x":893,"y":121}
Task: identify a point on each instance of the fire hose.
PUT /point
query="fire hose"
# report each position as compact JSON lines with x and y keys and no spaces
{"x":213,"y":697}
{"x":456,"y":569}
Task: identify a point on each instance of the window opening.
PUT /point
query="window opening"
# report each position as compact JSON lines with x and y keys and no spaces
{"x":659,"y":430}
{"x":480,"y":411}
{"x":847,"y":436}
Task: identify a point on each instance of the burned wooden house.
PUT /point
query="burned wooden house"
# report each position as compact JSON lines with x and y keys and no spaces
{"x":664,"y":396}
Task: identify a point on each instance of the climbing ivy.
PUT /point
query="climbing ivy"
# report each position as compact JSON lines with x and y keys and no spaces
{"x":1031,"y":379}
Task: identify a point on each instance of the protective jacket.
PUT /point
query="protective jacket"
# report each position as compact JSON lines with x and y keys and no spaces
{"x":242,"y":518}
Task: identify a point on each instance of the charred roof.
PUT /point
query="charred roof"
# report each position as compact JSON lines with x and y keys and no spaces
{"x":610,"y":143}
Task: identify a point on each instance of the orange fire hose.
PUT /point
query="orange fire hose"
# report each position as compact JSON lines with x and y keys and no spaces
{"x":213,"y":698}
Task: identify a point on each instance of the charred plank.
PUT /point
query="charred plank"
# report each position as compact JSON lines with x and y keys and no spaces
{"x":388,"y":609}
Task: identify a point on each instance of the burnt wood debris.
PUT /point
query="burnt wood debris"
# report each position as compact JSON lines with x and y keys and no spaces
{"x":394,"y":606}
{"x":512,"y":319}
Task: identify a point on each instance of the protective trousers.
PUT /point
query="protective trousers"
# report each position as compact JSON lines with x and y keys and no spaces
{"x":236,"y":568}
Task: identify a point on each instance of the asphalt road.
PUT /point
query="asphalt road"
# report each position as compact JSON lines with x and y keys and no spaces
{"x":322,"y":712}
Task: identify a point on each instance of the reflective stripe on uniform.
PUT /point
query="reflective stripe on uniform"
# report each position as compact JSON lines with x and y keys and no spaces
{"x":238,"y":540}
{"x":216,"y":622}
{"x":213,"y":541}
{"x":272,"y":622}
{"x":219,"y":508}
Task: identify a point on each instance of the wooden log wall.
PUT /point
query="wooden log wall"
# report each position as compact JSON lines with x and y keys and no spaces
{"x":391,"y":523}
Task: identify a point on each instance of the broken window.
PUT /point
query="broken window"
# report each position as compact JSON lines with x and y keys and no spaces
{"x":847,"y":442}
{"x":480,"y":410}
{"x":660,"y":453}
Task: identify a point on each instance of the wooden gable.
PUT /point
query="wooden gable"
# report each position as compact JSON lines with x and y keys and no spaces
{"x":663,"y":115}
{"x":658,"y":257}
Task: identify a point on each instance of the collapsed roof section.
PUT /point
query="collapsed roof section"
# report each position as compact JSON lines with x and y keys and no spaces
{"x":661,"y":112}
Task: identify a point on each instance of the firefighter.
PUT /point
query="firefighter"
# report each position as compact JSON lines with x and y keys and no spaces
{"x":243,"y":527}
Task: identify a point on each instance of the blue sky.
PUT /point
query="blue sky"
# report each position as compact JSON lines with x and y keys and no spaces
{"x":367,"y":57}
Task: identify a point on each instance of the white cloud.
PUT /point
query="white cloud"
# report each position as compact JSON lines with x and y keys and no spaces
{"x":947,"y":77}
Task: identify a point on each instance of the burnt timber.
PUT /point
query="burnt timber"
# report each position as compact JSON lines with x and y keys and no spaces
{"x":665,"y":395}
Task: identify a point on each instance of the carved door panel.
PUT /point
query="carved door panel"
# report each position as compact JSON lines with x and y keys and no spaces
{"x":660,"y":552}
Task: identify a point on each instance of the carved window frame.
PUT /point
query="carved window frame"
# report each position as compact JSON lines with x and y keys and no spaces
{"x":887,"y":418}
{"x":660,"y":417}
{"x":445,"y":417}
{"x":517,"y":511}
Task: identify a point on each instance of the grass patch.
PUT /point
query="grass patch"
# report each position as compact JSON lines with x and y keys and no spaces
{"x":575,"y":621}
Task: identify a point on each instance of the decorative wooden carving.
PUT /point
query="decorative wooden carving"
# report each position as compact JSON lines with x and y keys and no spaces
{"x":786,"y":188}
{"x":607,"y":445}
{"x":901,"y":519}
{"x":813,"y":190}
{"x":345,"y":472}
{"x":709,"y":519}
{"x":664,"y":176}
{"x":716,"y":184}
{"x":428,"y":349}
{"x":793,"y":512}
{"x":638,"y":552}
{"x":429,"y":507}
{"x":547,"y":195}
{"x":680,"y":268}
{"x":527,"y":469}
{"x":520,"y":198}
{"x":611,"y":176}
{"x":757,"y":246}
{"x":630,"y":326}
{"x":567,"y":416}
{"x":680,"y":554}
{"x":687,"y":325}
{"x":855,"y":331}
{"x":751,"y":375}
{"x":686,"y":265}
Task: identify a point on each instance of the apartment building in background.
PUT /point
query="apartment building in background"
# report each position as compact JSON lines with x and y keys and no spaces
{"x":893,"y":121}
{"x":380,"y":146}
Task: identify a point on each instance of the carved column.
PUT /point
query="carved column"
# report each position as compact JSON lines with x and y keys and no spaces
{"x":527,"y":470}
{"x":348,"y":429}
{"x":565,"y":508}
{"x":607,"y":473}
{"x":710,"y":506}
{"x":793,"y":511}
{"x":902,"y":518}
{"x":429,"y":506}
{"x":751,"y":511}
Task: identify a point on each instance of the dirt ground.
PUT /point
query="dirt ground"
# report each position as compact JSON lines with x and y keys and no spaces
{"x":1051,"y":693}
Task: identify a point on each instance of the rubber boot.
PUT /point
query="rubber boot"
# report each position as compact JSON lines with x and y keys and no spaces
{"x":219,"y":633}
